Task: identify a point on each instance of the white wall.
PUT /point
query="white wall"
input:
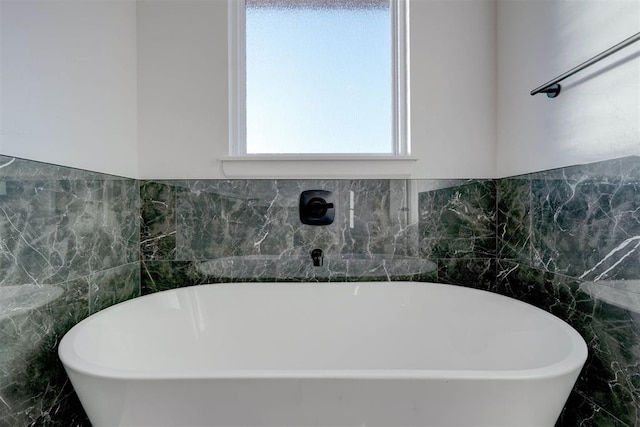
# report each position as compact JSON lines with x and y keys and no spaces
{"x":597,"y":115}
{"x":453,"y":88}
{"x":182,"y":82}
{"x":68,"y":83}
{"x":183,"y":100}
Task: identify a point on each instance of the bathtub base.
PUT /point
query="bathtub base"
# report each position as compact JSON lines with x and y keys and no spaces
{"x":323,"y":402}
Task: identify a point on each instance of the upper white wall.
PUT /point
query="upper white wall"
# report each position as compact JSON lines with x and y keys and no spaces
{"x":68,"y":83}
{"x":453,"y":88}
{"x":182,"y":88}
{"x":597,"y":114}
{"x":183,"y":95}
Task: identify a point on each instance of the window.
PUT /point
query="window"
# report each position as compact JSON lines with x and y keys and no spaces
{"x":318,"y":77}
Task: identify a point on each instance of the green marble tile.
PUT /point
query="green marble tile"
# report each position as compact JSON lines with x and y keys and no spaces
{"x":52,"y":231}
{"x":581,"y":411}
{"x":514,"y":232}
{"x":33,"y":386}
{"x":158,"y":220}
{"x":109,"y":287}
{"x":587,"y":229}
{"x":458,"y":221}
{"x":469,"y":272}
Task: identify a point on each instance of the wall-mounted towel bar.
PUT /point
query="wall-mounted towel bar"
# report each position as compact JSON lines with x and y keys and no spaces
{"x":552,"y":88}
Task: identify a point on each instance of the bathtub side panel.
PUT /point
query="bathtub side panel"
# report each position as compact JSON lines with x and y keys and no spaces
{"x":103,"y":399}
{"x":322,"y":402}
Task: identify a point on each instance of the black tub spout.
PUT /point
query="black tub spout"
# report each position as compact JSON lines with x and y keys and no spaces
{"x":317,"y":257}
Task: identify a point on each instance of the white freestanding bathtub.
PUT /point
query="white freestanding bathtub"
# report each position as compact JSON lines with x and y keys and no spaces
{"x":323,"y":354}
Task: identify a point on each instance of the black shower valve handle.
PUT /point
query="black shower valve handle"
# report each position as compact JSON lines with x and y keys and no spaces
{"x":316,"y":207}
{"x":321,"y":204}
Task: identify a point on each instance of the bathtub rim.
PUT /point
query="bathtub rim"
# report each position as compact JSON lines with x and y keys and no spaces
{"x":572,"y":362}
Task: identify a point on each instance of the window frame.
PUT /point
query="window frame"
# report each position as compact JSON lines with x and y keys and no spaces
{"x":401,"y":145}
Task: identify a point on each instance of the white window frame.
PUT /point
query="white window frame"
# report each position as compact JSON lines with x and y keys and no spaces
{"x":398,"y":164}
{"x":237,"y":77}
{"x":399,"y":80}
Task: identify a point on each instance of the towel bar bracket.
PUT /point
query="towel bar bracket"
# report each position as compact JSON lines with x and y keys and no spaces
{"x":552,"y":91}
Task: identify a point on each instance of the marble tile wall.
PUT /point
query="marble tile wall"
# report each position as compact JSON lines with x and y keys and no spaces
{"x":569,"y":242}
{"x":69,"y":246}
{"x":457,"y":230}
{"x":196,"y":232}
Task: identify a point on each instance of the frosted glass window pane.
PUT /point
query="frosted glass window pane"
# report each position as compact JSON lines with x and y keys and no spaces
{"x":318,"y":76}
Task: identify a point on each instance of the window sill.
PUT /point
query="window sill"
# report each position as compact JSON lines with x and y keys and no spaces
{"x":318,"y":166}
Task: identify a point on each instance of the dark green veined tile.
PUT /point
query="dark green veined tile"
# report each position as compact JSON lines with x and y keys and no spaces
{"x":580,"y":411}
{"x":158,"y":220}
{"x":551,"y":292}
{"x":514,"y":219}
{"x":468,"y":272}
{"x":587,"y":229}
{"x":54,"y":231}
{"x":164,"y":275}
{"x":32,"y":380}
{"x":458,"y":221}
{"x":611,"y":376}
{"x":113,"y":286}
